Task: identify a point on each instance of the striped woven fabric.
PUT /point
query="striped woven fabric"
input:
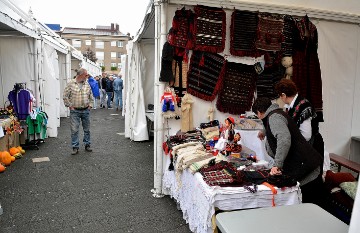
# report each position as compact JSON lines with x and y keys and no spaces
{"x":180,"y":34}
{"x":209,"y":29}
{"x":267,"y":80}
{"x":205,"y":75}
{"x":270,"y":32}
{"x":238,"y":89}
{"x":243,"y":33}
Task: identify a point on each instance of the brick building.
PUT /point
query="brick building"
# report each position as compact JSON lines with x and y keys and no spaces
{"x":107,"y":42}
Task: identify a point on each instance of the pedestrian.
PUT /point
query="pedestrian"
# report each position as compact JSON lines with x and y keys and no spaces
{"x":292,"y":154}
{"x":78,"y":98}
{"x":95,"y":89}
{"x":118,"y":86}
{"x":109,"y":91}
{"x":103,"y":91}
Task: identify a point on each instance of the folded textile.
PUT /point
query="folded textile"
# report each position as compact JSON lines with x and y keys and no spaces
{"x":198,"y":165}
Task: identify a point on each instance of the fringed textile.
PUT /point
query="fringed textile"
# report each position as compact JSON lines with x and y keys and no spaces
{"x":205,"y":75}
{"x":181,"y":32}
{"x":209,"y":29}
{"x":243,"y":33}
{"x":238,"y":89}
{"x":270,"y":32}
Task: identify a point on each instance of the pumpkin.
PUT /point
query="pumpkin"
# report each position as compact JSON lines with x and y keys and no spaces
{"x":13,"y":151}
{"x":2,"y":168}
{"x":5,"y":158}
{"x":12,"y":158}
{"x":22,"y":151}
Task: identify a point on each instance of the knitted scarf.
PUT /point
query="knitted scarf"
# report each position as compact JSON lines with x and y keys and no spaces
{"x":205,"y":75}
{"x":243,"y":34}
{"x":209,"y":29}
{"x":238,"y":89}
{"x":270,"y":32}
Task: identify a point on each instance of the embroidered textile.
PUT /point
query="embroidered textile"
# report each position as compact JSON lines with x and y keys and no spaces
{"x":209,"y":29}
{"x":180,"y":34}
{"x":205,"y":75}
{"x":243,"y":33}
{"x":270,"y":32}
{"x":238,"y":89}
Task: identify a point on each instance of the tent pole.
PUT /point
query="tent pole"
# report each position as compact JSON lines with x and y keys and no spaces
{"x":160,"y":38}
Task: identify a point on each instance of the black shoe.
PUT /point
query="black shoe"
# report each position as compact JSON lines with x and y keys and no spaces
{"x":75,"y":151}
{"x":87,"y":148}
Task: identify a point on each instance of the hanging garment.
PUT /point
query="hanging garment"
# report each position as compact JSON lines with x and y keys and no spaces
{"x":21,"y":100}
{"x":186,"y":113}
{"x":181,"y":32}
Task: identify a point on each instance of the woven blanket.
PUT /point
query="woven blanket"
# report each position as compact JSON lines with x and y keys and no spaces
{"x":243,"y":33}
{"x":238,"y":89}
{"x":205,"y":75}
{"x":270,"y":32}
{"x":209,"y":29}
{"x":288,"y":32}
{"x":180,"y":34}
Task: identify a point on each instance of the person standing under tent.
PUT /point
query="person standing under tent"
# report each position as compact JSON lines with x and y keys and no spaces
{"x":95,"y":89}
{"x":109,"y":91}
{"x":78,"y":98}
{"x":118,"y":86}
{"x":103,"y":91}
{"x":292,"y":154}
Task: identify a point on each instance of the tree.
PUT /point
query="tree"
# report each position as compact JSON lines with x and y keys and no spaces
{"x":90,"y":55}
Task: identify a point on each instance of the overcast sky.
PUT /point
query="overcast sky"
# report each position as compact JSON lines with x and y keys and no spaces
{"x":80,"y":13}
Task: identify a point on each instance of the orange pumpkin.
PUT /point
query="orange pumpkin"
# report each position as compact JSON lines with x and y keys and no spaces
{"x":2,"y":168}
{"x":12,"y":158}
{"x":5,"y":158}
{"x":13,"y":151}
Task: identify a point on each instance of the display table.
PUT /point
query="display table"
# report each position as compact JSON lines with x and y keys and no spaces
{"x":300,"y":218}
{"x":198,"y":200}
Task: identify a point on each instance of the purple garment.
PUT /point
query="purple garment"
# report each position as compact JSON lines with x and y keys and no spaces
{"x":21,"y":102}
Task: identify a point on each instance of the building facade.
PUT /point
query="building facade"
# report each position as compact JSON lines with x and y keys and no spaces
{"x":107,"y":42}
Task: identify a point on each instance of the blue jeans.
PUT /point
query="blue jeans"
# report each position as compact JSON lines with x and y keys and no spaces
{"x":75,"y":117}
{"x":109,"y":95}
{"x":118,"y":99}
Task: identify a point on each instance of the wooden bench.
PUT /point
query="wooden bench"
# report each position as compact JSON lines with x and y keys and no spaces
{"x":341,"y":161}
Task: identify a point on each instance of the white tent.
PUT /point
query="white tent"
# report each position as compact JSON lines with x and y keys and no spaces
{"x":32,"y":53}
{"x":339,"y":54}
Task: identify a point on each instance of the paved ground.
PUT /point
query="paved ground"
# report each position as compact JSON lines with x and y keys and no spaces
{"x":107,"y":190}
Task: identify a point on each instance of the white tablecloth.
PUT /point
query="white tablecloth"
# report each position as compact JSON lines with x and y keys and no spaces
{"x":197,"y":200}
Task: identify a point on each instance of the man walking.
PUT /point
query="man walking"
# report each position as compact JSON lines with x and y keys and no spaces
{"x":109,"y":91}
{"x":103,"y":91}
{"x":78,"y":98}
{"x":118,"y":86}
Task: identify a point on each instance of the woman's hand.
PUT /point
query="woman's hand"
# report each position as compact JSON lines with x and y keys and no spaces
{"x":275,"y":171}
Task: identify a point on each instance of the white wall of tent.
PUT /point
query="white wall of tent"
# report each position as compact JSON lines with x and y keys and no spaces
{"x":32,"y":53}
{"x":338,"y":28}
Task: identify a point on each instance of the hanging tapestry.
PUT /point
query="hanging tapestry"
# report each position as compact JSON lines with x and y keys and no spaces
{"x":265,"y":85}
{"x":243,"y":34}
{"x":288,"y":32}
{"x":209,"y":29}
{"x":238,"y":89}
{"x":181,"y":32}
{"x":270,"y":32}
{"x":205,"y":75}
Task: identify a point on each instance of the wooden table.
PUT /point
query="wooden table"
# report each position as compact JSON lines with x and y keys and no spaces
{"x":300,"y":218}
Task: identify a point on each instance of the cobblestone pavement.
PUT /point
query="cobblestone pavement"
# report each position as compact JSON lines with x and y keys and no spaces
{"x":107,"y":190}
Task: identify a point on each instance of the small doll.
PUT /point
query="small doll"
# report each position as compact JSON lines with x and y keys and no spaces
{"x":211,"y":114}
{"x":229,"y":132}
{"x":169,"y":105}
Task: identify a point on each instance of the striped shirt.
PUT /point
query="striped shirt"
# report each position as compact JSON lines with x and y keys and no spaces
{"x":78,"y":95}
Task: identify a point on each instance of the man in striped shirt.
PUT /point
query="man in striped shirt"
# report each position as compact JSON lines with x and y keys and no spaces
{"x":79,"y":99}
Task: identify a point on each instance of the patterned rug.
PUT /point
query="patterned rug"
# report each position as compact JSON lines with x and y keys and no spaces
{"x":237,"y":93}
{"x":205,"y":75}
{"x":270,"y":32}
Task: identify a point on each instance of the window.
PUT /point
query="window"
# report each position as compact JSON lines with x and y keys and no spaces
{"x":119,"y":55}
{"x":113,"y":55}
{"x":113,"y":43}
{"x":119,"y":65}
{"x":87,"y":42}
{"x":100,"y":55}
{"x":101,"y":64}
{"x":99,"y":44}
{"x":113,"y":65}
{"x":120,"y":44}
{"x":76,"y":43}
